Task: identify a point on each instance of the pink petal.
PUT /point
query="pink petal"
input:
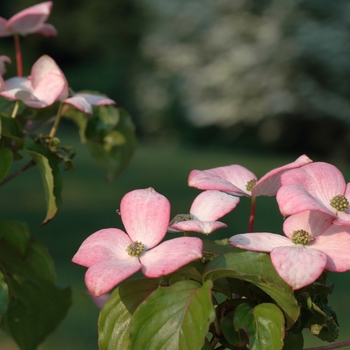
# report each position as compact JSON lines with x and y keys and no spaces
{"x":293,"y":199}
{"x":96,"y":100}
{"x":79,"y":103}
{"x":46,"y":29}
{"x":205,"y":227}
{"x":107,"y":244}
{"x":3,"y":28}
{"x":170,"y":255}
{"x":3,"y":59}
{"x":29,"y":19}
{"x":313,"y":222}
{"x":335,"y":243}
{"x":49,"y":88}
{"x":46,"y":65}
{"x":298,"y":266}
{"x":271,"y":182}
{"x":259,"y":241}
{"x":145,"y":215}
{"x":212,"y":205}
{"x":231,"y":178}
{"x":101,"y":277}
{"x":318,"y":182}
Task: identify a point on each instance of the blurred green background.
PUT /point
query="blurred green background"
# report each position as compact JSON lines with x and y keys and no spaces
{"x":208,"y":83}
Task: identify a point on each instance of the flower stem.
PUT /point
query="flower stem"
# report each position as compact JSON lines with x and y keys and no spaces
{"x":331,"y":346}
{"x":18,"y":56}
{"x":18,"y":172}
{"x":252,"y":214}
{"x":15,"y":109}
{"x":57,"y":121}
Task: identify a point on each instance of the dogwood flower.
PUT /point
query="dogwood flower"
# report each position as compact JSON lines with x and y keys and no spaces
{"x":239,"y":181}
{"x":29,"y":21}
{"x":46,"y":85}
{"x":4,"y":59}
{"x":112,"y":255}
{"x":207,"y":207}
{"x":317,"y":186}
{"x":312,"y":244}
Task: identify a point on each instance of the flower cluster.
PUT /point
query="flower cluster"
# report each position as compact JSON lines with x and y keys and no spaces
{"x":314,"y":196}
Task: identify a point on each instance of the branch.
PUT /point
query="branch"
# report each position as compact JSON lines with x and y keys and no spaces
{"x":18,"y":172}
{"x":332,"y":346}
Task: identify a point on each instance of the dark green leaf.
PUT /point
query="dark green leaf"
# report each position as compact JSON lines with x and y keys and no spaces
{"x":117,"y":312}
{"x":36,"y":304}
{"x":46,"y":162}
{"x":294,"y":341}
{"x":264,"y":325}
{"x":111,"y":145}
{"x":16,"y":233}
{"x":6,"y":159}
{"x":175,"y":317}
{"x":257,"y":269}
{"x":4,"y":295}
{"x":9,"y":126}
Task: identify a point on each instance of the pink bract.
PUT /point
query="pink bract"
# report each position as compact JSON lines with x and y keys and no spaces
{"x":300,"y":265}
{"x":46,"y":85}
{"x":235,"y":178}
{"x":312,"y":188}
{"x":145,"y":215}
{"x":29,"y":21}
{"x":207,"y":207}
{"x":3,"y":59}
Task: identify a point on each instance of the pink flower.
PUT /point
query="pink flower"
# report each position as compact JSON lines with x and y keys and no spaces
{"x":112,"y":255}
{"x":3,"y":59}
{"x":239,"y":181}
{"x":317,"y":186}
{"x":29,"y":21}
{"x":312,"y":244}
{"x":207,"y":207}
{"x":46,"y":85}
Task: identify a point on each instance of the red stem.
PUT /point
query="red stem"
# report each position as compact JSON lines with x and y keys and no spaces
{"x":18,"y":56}
{"x":252,"y":214}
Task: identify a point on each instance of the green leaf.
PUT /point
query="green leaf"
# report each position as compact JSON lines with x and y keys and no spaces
{"x":294,"y":341}
{"x":173,"y":318}
{"x":115,"y":316}
{"x":264,"y":325}
{"x":9,"y":126}
{"x":4,"y":295}
{"x":50,"y":174}
{"x":36,"y":304}
{"x":17,"y":234}
{"x":255,"y":268}
{"x":6,"y":159}
{"x":110,"y":137}
{"x":236,"y":338}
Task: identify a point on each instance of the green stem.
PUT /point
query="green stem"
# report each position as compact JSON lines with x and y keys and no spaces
{"x":57,"y":121}
{"x":18,"y":56}
{"x":252,"y":214}
{"x":331,"y":346}
{"x":15,"y":109}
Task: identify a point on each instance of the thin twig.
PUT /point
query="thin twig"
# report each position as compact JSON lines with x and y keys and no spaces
{"x":18,"y":172}
{"x":331,"y":346}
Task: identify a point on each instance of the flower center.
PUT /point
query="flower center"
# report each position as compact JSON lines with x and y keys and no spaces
{"x":135,"y":248}
{"x":301,"y":237}
{"x":181,"y":217}
{"x":339,"y":202}
{"x":250,"y":184}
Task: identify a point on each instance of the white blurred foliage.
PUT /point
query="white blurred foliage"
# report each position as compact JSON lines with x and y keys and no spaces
{"x":232,"y":64}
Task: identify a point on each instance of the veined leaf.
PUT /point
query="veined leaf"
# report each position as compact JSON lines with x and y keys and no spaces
{"x":255,"y":268}
{"x":17,"y":234}
{"x":263,"y":324}
{"x":50,"y":174}
{"x":173,"y":318}
{"x":116,"y":314}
